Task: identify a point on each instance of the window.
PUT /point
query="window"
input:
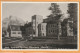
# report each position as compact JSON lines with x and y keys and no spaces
{"x":49,"y":31}
{"x":57,"y":23}
{"x":53,"y":25}
{"x":34,"y":32}
{"x":13,"y":28}
{"x":43,"y":34}
{"x":53,"y":31}
{"x":14,"y":32}
{"x":19,"y":32}
{"x":42,"y":28}
{"x":50,"y":25}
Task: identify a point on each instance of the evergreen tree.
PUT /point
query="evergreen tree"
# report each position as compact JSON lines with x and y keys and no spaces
{"x":55,"y":9}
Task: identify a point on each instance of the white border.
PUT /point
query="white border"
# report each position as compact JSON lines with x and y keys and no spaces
{"x":42,"y":49}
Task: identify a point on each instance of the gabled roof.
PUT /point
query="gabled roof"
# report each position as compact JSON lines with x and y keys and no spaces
{"x":53,"y":19}
{"x":15,"y":27}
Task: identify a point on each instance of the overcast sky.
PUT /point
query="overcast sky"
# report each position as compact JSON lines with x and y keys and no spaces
{"x":26,"y":10}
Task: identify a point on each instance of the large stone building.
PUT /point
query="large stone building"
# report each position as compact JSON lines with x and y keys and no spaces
{"x":36,"y":20}
{"x":42,"y":29}
{"x":49,"y":27}
{"x":53,"y":26}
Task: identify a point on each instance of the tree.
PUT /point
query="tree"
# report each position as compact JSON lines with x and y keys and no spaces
{"x":55,"y":16}
{"x":72,"y":11}
{"x":55,"y":9}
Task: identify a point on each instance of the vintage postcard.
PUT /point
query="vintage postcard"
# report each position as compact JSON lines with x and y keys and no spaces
{"x":43,"y":26}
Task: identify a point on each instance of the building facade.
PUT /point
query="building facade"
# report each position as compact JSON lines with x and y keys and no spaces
{"x":53,"y":26}
{"x":67,"y":27}
{"x":52,"y":30}
{"x":14,"y":31}
{"x":42,"y":29}
{"x":49,"y":27}
{"x":36,"y":20}
{"x":70,"y":28}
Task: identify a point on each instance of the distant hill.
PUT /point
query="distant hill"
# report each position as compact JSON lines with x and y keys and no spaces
{"x":12,"y":20}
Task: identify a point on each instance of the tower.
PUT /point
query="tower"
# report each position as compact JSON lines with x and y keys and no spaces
{"x":36,"y":20}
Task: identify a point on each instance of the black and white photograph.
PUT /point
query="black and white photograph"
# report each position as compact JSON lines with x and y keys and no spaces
{"x":40,"y":25}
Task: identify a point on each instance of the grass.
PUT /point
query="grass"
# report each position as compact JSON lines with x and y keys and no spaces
{"x":38,"y":42}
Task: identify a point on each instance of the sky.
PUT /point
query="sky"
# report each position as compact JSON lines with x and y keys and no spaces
{"x":26,"y":10}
